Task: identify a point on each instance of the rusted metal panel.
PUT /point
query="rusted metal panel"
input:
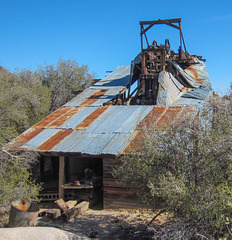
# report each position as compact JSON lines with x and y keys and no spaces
{"x":152,"y":117}
{"x":54,"y":140}
{"x":158,"y":117}
{"x":108,"y":96}
{"x":91,"y":118}
{"x":174,"y":93}
{"x":76,"y":119}
{"x":106,"y":130}
{"x":202,"y":92}
{"x":192,"y":73}
{"x":39,"y":139}
{"x":135,"y":144}
{"x":61,"y":120}
{"x":187,"y":113}
{"x":25,"y":137}
{"x":170,"y":115}
{"x":52,"y":117}
{"x":114,"y":83}
{"x":94,"y":129}
{"x":119,"y":119}
{"x":80,"y":97}
{"x":94,"y":97}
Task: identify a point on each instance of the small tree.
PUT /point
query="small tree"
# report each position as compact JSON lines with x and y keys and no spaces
{"x":23,"y":102}
{"x":186,"y":168}
{"x":15,"y":178}
{"x":26,"y":97}
{"x":64,"y":80}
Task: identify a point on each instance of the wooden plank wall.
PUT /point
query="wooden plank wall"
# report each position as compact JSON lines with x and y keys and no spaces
{"x":115,"y":195}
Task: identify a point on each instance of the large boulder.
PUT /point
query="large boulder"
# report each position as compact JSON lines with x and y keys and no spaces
{"x":38,"y":233}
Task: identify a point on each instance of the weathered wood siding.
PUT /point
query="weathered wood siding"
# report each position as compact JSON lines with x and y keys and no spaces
{"x":115,"y":195}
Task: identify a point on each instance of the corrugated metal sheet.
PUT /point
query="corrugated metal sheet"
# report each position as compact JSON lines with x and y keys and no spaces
{"x":109,"y":95}
{"x":85,"y":126}
{"x":25,"y":137}
{"x":63,"y":118}
{"x":170,"y":115}
{"x":174,"y":93}
{"x":94,"y":144}
{"x":53,"y":117}
{"x":80,"y":97}
{"x":80,"y":142}
{"x":192,"y":74}
{"x":91,"y":118}
{"x":159,"y":117}
{"x":112,"y":85}
{"x":173,"y":89}
{"x":39,"y":139}
{"x":118,"y":143}
{"x":76,"y":119}
{"x":110,"y":133}
{"x":119,"y":119}
{"x":94,"y":97}
{"x":151,"y":119}
{"x":55,"y":139}
{"x":118,"y":78}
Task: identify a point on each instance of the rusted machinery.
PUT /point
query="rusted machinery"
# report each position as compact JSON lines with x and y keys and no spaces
{"x":154,"y":59}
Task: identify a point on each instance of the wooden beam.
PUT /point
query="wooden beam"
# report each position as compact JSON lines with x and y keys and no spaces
{"x":160,"y":21}
{"x":61,"y":176}
{"x":174,"y":20}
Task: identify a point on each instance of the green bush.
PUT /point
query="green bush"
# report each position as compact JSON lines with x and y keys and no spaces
{"x":15,"y":178}
{"x":186,"y":168}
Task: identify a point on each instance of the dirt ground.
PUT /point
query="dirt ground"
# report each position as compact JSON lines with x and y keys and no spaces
{"x":112,"y":224}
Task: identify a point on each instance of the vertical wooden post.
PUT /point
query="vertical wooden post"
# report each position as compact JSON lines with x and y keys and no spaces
{"x":61,"y":176}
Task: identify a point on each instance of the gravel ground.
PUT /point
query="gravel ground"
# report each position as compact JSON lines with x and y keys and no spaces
{"x":112,"y":224}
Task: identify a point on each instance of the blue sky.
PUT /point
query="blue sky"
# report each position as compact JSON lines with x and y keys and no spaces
{"x":105,"y":34}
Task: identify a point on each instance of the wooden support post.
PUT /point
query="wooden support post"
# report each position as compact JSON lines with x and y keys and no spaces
{"x":61,"y":176}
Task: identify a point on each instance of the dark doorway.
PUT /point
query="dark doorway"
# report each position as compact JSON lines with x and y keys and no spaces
{"x":85,"y":177}
{"x":49,"y":172}
{"x":85,"y":172}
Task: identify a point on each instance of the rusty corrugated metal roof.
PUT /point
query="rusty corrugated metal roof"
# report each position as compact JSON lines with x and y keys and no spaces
{"x":54,"y":140}
{"x":25,"y":137}
{"x":94,"y":97}
{"x":91,"y":118}
{"x":96,"y":135}
{"x":85,"y":126}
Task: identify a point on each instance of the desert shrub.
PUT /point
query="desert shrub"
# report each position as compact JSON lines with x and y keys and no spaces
{"x":64,"y":80}
{"x":187,"y":167}
{"x":15,"y":178}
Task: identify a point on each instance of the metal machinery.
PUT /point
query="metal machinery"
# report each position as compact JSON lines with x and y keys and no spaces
{"x":151,"y":61}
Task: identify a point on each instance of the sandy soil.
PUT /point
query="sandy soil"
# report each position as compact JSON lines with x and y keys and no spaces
{"x":112,"y":224}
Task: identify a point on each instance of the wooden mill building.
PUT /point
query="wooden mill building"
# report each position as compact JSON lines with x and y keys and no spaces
{"x":89,"y":132}
{"x":79,"y":142}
